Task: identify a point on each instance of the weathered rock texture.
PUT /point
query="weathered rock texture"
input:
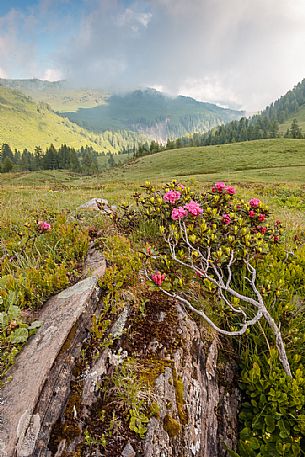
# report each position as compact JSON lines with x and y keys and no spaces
{"x":198,"y":400}
{"x":46,"y":411}
{"x":32,"y":400}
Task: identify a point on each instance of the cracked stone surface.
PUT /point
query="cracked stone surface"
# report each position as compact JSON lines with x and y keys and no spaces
{"x":33,"y":399}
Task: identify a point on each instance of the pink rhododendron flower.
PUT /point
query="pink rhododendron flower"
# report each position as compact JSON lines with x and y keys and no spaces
{"x":179,"y":213}
{"x":263,"y":230}
{"x":230,"y":190}
{"x":220,"y":186}
{"x":194,"y":208}
{"x":158,"y":278}
{"x":254,"y":202}
{"x":226,"y":219}
{"x":171,"y":196}
{"x":251,"y":213}
{"x":261,"y":217}
{"x":43,"y":226}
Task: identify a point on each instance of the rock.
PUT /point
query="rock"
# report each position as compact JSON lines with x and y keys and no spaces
{"x":96,"y":204}
{"x":32,"y":401}
{"x":198,"y":409}
{"x":128,"y":451}
{"x":95,"y":264}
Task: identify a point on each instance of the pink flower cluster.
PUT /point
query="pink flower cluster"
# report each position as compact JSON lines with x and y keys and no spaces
{"x":223,"y":189}
{"x":261,"y":217}
{"x":254,"y":202}
{"x":226,"y":219}
{"x":171,"y":196}
{"x":179,"y":213}
{"x":192,"y":208}
{"x":43,"y":226}
{"x":158,"y":278}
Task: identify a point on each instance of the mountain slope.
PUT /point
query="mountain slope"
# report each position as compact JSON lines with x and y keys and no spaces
{"x":25,"y":124}
{"x":154,"y":114}
{"x":299,"y":115}
{"x":58,"y":94}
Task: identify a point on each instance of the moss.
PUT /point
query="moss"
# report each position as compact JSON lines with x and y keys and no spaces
{"x":155,"y":410}
{"x":179,"y":390}
{"x":171,"y":426}
{"x":152,"y":368}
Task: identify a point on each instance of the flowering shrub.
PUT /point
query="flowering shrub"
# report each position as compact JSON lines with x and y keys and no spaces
{"x":238,"y":240}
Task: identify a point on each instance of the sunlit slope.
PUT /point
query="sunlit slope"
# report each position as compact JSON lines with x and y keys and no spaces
{"x":25,"y":124}
{"x":58,"y":94}
{"x":280,"y":160}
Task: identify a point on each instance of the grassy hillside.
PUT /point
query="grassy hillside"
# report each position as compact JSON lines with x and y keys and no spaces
{"x":266,"y":161}
{"x":299,"y":116}
{"x":57,"y":94}
{"x":25,"y":124}
{"x":154,"y":114}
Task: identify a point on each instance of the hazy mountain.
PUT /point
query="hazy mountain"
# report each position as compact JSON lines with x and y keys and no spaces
{"x":149,"y":112}
{"x":26,"y":124}
{"x":58,"y":94}
{"x":154,"y":114}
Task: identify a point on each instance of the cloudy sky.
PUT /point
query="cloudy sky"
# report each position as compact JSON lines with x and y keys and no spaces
{"x":239,"y":53}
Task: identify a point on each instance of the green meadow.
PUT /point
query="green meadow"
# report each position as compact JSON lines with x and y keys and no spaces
{"x":272,"y":169}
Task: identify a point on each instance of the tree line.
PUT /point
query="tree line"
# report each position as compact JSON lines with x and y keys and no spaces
{"x":260,"y":126}
{"x":83,"y":160}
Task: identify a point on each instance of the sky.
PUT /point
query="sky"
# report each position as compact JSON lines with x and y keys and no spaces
{"x":238,"y":53}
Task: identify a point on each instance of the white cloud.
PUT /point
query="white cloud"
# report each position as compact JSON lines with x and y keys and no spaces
{"x":52,"y":74}
{"x":3,"y":73}
{"x":238,"y":52}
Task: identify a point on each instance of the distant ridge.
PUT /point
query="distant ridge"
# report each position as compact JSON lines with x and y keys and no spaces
{"x":148,"y":112}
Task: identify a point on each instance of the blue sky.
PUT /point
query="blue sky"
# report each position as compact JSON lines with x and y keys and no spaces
{"x":239,"y":53}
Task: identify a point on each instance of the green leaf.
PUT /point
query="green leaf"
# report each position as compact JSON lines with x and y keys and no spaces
{"x":13,"y":312}
{"x":270,"y":424}
{"x":19,"y":336}
{"x":35,"y":325}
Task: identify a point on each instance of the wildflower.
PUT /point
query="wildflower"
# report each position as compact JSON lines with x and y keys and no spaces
{"x":43,"y":226}
{"x":230,"y":190}
{"x":179,"y":213}
{"x":181,"y":186}
{"x":263,"y":230}
{"x":251,"y":213}
{"x":171,"y":196}
{"x":276,"y":238}
{"x":254,"y":202}
{"x":219,"y":186}
{"x":193,"y":208}
{"x":226,"y":219}
{"x":158,"y":278}
{"x":261,"y":217}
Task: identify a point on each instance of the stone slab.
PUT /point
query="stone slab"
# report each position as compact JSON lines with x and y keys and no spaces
{"x":22,"y":409}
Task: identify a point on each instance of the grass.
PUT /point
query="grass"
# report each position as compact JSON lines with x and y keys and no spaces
{"x":268,"y":168}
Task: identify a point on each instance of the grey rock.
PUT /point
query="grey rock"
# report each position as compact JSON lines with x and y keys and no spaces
{"x":95,"y":204}
{"x":210,"y":408}
{"x":128,"y":451}
{"x":95,"y":264}
{"x":33,"y":399}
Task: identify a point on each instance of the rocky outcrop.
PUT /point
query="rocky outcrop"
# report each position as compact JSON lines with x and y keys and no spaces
{"x":198,"y":406}
{"x":55,"y":397}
